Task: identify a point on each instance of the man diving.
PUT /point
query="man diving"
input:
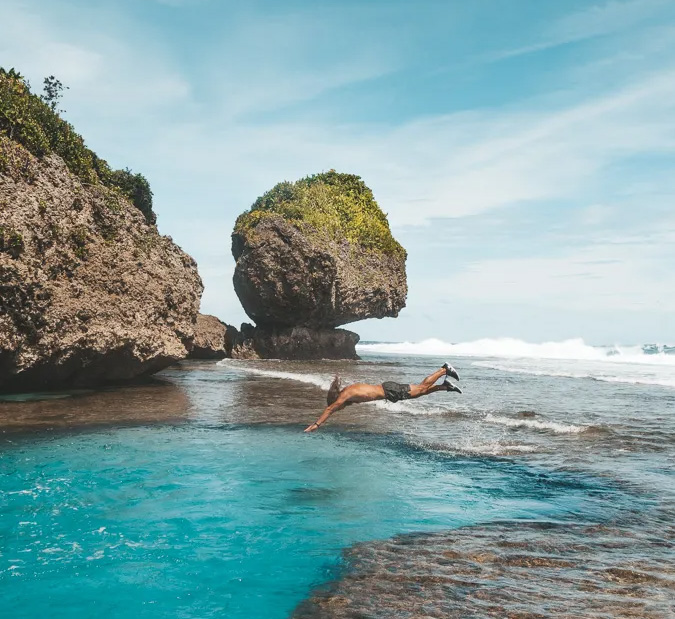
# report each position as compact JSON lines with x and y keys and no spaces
{"x":361,"y":392}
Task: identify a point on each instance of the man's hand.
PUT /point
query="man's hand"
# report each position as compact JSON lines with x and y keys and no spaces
{"x":312,"y":428}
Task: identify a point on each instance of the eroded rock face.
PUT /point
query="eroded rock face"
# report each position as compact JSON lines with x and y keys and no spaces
{"x":212,"y":338}
{"x":293,"y":343}
{"x":89,"y":292}
{"x":286,"y":278}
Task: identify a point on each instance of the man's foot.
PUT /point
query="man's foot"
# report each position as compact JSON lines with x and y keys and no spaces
{"x":450,"y":387}
{"x":450,"y":371}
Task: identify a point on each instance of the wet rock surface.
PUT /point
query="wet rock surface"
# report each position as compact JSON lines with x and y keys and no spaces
{"x":285,"y":277}
{"x":509,"y":569}
{"x":89,"y":291}
{"x":293,"y":343}
{"x":148,"y":401}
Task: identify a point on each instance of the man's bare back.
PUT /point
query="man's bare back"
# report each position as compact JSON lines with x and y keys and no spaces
{"x":364,"y":392}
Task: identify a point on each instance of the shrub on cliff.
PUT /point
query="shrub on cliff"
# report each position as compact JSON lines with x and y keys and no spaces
{"x":34,"y":122}
{"x":137,"y":188}
{"x":340,"y":205}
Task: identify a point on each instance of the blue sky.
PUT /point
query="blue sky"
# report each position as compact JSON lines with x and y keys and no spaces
{"x":524,"y":150}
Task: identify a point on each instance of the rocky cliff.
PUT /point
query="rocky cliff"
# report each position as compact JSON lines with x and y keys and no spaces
{"x":90,"y":292}
{"x":316,"y":254}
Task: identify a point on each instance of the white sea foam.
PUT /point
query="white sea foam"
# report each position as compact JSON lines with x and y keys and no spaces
{"x":411,"y":407}
{"x":552,"y":426}
{"x":471,"y":446}
{"x":495,"y":448}
{"x":511,"y":348}
{"x":311,"y":379}
{"x":660,"y":376}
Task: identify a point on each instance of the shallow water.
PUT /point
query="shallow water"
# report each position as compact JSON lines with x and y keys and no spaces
{"x":200,"y":496}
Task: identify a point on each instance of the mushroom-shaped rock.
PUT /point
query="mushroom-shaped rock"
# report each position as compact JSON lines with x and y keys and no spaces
{"x":317,"y":253}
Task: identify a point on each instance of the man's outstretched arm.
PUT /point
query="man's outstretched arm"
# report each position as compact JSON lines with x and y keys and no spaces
{"x":328,"y":411}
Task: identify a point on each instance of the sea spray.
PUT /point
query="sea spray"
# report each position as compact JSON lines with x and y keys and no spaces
{"x":311,"y":379}
{"x":511,"y":348}
{"x":629,"y":374}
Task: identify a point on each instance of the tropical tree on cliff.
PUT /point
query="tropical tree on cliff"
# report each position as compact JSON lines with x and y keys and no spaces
{"x":35,"y":122}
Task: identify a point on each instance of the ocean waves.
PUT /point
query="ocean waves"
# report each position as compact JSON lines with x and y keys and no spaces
{"x":474,"y":446}
{"x":647,"y":375}
{"x":511,"y":348}
{"x":535,"y":424}
{"x":650,"y":365}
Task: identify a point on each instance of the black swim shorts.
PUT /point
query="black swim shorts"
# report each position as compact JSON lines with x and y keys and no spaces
{"x":396,"y":391}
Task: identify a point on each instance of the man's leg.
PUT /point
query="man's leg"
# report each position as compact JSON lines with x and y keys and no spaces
{"x":430,"y":380}
{"x":417,"y":391}
{"x":427,"y":386}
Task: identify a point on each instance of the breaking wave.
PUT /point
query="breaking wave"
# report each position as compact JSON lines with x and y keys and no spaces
{"x":666,"y":378}
{"x":551,"y":426}
{"x":511,"y":348}
{"x":311,"y":379}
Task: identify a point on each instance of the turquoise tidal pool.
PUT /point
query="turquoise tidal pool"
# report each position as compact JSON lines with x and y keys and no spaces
{"x":233,"y":521}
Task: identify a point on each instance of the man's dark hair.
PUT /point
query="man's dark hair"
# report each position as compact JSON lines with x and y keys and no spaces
{"x":334,"y":390}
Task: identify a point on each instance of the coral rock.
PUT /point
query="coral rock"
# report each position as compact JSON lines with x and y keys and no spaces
{"x":293,"y":343}
{"x":213,"y":338}
{"x":89,"y":291}
{"x":285,"y":277}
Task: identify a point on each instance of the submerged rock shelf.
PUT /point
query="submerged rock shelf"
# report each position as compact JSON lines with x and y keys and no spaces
{"x":506,"y":569}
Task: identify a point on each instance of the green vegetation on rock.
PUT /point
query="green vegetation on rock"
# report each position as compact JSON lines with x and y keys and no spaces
{"x":340,"y":205}
{"x":11,"y":242}
{"x":34,"y":123}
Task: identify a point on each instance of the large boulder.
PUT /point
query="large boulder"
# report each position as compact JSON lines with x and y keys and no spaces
{"x":213,"y":338}
{"x":89,"y":290}
{"x":317,"y":253}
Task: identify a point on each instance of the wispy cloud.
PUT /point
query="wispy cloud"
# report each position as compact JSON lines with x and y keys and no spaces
{"x":102,"y":70}
{"x":612,"y":277}
{"x":267,"y":62}
{"x":597,"y":20}
{"x":449,"y":166}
